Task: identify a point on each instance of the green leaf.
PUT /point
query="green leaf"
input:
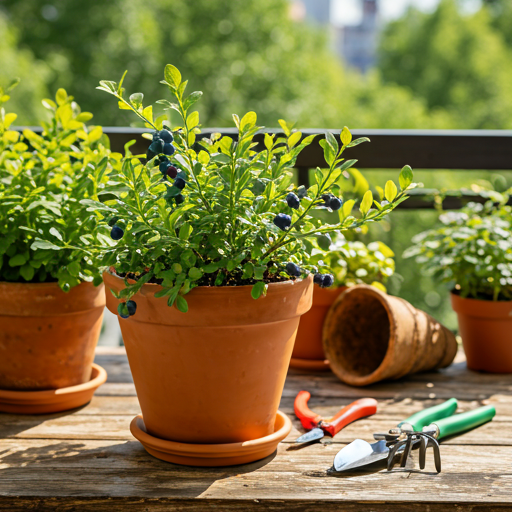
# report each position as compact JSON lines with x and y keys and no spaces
{"x":191,"y":99}
{"x":345,"y":136}
{"x":195,"y":273}
{"x":185,"y":231}
{"x":331,"y":140}
{"x":346,"y":209}
{"x":210,"y":268}
{"x":136,"y":99}
{"x":248,"y":121}
{"x":406,"y":177}
{"x":294,"y":139}
{"x":181,"y":304}
{"x":390,"y":191}
{"x":259,"y":289}
{"x":43,"y":244}
{"x":27,"y":272}
{"x":56,"y":233}
{"x":366,"y":203}
{"x":193,"y":120}
{"x":18,"y":260}
{"x":285,"y":127}
{"x":61,"y":96}
{"x":358,"y":141}
{"x":74,"y":268}
{"x":172,"y":75}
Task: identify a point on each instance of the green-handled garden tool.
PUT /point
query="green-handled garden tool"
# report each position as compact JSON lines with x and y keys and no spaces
{"x":426,"y":427}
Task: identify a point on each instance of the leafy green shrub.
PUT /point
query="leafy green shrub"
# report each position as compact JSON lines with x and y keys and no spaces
{"x":471,"y":251}
{"x":223,"y":211}
{"x":353,"y":262}
{"x":46,"y":233}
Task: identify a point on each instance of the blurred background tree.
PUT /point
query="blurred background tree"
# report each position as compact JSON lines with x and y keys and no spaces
{"x":446,"y":68}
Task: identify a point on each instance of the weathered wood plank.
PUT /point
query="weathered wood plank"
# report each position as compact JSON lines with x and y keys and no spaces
{"x":123,"y":469}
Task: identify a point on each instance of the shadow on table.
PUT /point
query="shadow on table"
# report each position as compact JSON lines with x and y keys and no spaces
{"x":115,"y":468}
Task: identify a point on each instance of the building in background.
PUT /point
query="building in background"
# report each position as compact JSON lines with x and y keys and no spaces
{"x":356,"y":44}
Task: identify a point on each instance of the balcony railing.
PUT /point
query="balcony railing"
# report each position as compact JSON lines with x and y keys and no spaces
{"x":470,"y":150}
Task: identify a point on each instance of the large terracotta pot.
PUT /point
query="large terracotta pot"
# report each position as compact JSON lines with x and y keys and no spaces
{"x":486,"y":330}
{"x":216,"y":373}
{"x":371,"y":336}
{"x":308,"y":351}
{"x":48,"y":337}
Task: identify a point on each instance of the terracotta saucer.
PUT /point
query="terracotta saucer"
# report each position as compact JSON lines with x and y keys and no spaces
{"x":229,"y":454}
{"x":52,"y":400}
{"x":314,"y":365}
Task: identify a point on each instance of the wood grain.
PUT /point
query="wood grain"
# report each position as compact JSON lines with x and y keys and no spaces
{"x":87,"y":460}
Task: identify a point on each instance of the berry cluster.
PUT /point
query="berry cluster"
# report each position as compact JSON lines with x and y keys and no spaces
{"x":323,"y":280}
{"x":127,"y":309}
{"x":162,"y":143}
{"x":332,"y":202}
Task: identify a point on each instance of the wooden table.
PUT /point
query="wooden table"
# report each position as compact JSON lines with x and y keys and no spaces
{"x":86,"y":460}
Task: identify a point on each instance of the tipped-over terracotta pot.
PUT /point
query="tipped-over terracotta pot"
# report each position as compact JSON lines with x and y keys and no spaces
{"x":308,"y":351}
{"x":216,"y":373}
{"x":371,"y":336}
{"x":486,"y":330}
{"x":47,"y":336}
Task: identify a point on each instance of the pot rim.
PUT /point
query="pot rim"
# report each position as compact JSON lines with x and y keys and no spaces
{"x":210,"y":289}
{"x":497,"y":309}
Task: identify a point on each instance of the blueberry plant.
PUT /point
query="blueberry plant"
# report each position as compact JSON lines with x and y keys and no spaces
{"x":220,"y":210}
{"x":471,"y":251}
{"x":46,"y":179}
{"x":353,"y":262}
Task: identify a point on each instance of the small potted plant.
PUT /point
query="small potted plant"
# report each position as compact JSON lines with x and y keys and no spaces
{"x":211,"y":272}
{"x":50,"y":287}
{"x":350,"y":263}
{"x":472,"y":253}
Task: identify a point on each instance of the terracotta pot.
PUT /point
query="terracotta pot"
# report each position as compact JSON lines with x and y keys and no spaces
{"x":308,"y":352}
{"x":371,"y":336}
{"x":486,"y":330}
{"x":48,"y":337}
{"x":216,"y":373}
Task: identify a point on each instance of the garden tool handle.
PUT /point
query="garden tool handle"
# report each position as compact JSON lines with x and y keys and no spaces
{"x":427,"y":416}
{"x":352,"y":412}
{"x":307,"y":417}
{"x":464,"y":421}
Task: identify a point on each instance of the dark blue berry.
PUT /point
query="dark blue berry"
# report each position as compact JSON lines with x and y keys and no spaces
{"x":282,"y":221}
{"x":172,"y":171}
{"x":302,"y":192}
{"x":124,"y":315}
{"x":163,"y":159}
{"x":179,"y":199}
{"x":116,"y":233}
{"x":326,"y":198}
{"x":150,"y":154}
{"x":131,"y":306}
{"x":292,"y":269}
{"x":168,"y":149}
{"x":328,"y":280}
{"x":292,"y":200}
{"x":157,"y":146}
{"x":113,"y":221}
{"x":166,"y":135}
{"x":318,"y":279}
{"x":156,"y":135}
{"x":163,"y":167}
{"x":335,"y":203}
{"x":179,"y":183}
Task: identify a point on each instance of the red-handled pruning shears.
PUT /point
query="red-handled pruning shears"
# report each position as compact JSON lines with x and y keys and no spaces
{"x":318,"y":426}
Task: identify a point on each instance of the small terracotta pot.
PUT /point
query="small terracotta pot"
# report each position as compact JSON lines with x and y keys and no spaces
{"x":48,"y":337}
{"x":371,"y":336}
{"x":216,"y":373}
{"x":486,"y":330}
{"x":308,"y":351}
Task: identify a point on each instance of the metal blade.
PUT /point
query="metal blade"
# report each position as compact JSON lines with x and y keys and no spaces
{"x":312,"y":435}
{"x":360,"y":453}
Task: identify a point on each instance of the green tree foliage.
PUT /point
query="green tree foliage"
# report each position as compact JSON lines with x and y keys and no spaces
{"x":457,"y":63}
{"x":33,"y":74}
{"x":244,"y":55}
